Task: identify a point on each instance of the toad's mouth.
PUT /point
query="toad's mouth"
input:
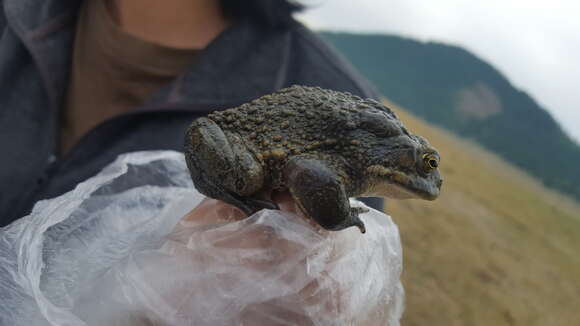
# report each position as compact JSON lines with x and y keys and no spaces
{"x":398,"y":185}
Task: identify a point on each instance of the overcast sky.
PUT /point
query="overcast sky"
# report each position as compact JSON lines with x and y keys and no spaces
{"x":535,"y":44}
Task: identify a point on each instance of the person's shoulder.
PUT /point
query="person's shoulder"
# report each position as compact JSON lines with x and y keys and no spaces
{"x":319,"y":63}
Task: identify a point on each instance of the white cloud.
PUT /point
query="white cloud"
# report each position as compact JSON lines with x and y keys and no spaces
{"x":535,"y":44}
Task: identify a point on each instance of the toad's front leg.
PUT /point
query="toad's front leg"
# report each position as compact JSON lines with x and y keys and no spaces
{"x":320,"y":194}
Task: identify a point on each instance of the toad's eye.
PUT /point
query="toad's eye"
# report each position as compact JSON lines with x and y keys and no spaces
{"x":431,"y":161}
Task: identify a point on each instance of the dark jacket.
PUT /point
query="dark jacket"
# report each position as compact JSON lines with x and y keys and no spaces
{"x":36,"y":36}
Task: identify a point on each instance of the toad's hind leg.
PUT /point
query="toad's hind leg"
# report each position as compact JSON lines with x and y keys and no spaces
{"x":222,"y":168}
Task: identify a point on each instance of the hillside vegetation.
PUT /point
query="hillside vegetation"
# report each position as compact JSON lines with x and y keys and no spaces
{"x":495,"y":249}
{"x":451,"y":87}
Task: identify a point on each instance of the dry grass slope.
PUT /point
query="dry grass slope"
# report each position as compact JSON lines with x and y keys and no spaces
{"x":495,"y":249}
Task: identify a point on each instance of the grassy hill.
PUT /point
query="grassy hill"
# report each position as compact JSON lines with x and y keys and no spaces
{"x":495,"y":249}
{"x":450,"y":87}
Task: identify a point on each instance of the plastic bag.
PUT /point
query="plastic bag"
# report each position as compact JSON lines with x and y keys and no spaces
{"x":116,"y":251}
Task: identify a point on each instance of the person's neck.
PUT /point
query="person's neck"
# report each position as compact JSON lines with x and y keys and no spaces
{"x":174,"y":23}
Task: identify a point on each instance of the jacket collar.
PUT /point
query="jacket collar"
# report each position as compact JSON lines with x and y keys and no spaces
{"x":46,"y":29}
{"x":26,"y":16}
{"x":243,"y":63}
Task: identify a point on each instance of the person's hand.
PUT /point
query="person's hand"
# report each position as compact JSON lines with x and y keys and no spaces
{"x":289,"y":262}
{"x":268,"y":269}
{"x":213,"y":211}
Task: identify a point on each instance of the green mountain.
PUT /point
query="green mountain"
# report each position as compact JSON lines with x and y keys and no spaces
{"x":452,"y":88}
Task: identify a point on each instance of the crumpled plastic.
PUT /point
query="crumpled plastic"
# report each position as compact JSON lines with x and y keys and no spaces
{"x":117,"y":251}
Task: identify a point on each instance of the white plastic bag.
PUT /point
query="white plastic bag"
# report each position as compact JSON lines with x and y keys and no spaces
{"x":116,"y":251}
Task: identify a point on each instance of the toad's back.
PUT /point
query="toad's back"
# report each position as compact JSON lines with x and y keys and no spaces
{"x":297,"y":119}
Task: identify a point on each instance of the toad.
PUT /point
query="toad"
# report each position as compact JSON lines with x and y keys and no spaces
{"x":320,"y":145}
